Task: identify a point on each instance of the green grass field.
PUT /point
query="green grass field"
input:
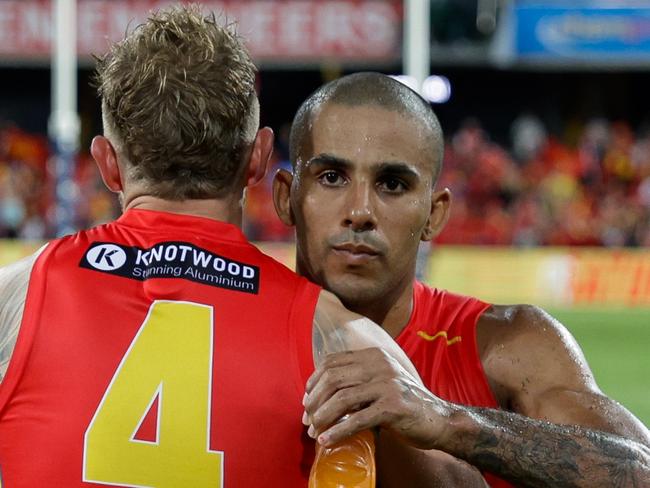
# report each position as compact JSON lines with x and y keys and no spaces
{"x":617,"y":346}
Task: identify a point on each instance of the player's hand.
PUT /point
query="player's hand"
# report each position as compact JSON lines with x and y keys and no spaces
{"x":357,"y":390}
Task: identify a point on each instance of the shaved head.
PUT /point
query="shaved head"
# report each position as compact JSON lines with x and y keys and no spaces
{"x":367,"y":89}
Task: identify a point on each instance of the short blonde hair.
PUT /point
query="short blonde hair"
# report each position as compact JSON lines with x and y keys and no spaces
{"x":178,"y":102}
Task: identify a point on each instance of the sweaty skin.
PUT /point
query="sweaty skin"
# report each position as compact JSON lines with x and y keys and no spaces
{"x":592,"y":440}
{"x":356,"y":255}
{"x":362,"y":200}
{"x":336,"y":329}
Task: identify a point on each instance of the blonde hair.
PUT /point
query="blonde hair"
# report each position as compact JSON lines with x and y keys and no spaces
{"x":179,"y":104}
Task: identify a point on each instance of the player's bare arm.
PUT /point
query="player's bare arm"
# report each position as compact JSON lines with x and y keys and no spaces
{"x":400,"y":465}
{"x":338,"y":330}
{"x":562,"y":430}
{"x":580,"y":437}
{"x":13,"y":291}
{"x":375,"y":370}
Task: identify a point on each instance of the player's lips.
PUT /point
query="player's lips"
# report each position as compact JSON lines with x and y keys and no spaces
{"x":355,"y":252}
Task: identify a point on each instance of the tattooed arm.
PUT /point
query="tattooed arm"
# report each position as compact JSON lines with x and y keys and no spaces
{"x":341,"y":331}
{"x":337,"y":329}
{"x":580,"y":437}
{"x":541,"y":454}
{"x":14,"y":280}
{"x":561,"y":431}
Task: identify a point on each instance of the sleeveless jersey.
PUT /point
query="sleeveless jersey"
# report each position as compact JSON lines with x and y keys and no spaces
{"x":440,"y":340}
{"x":159,"y":350}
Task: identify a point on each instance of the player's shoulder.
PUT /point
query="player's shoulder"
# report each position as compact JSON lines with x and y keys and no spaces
{"x":517,"y":341}
{"x":509,"y":322}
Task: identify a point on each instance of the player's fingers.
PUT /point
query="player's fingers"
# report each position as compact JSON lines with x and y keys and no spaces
{"x":333,"y":360}
{"x":365,"y":363}
{"x":351,"y":424}
{"x":372,"y":361}
{"x":343,"y":402}
{"x":332,"y":380}
{"x":399,"y":404}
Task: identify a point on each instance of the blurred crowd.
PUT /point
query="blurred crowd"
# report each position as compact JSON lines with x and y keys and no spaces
{"x":543,"y":191}
{"x":590,"y":189}
{"x":27,"y":188}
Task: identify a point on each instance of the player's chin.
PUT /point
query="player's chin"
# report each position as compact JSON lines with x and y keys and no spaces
{"x":353,"y":288}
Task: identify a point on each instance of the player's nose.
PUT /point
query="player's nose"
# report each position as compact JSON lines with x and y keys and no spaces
{"x":359,"y":213}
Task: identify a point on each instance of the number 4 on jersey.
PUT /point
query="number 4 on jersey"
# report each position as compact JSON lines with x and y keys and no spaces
{"x":169,"y":360}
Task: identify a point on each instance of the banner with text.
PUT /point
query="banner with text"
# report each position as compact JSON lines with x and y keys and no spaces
{"x":605,"y":32}
{"x":289,"y":31}
{"x":545,"y":276}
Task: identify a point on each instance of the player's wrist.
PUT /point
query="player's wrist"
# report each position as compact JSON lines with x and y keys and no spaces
{"x":449,"y":423}
{"x":431,"y":430}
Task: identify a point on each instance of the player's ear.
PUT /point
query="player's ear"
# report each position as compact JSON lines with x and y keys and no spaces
{"x":258,"y":162}
{"x":440,"y":202}
{"x":105,"y":156}
{"x":282,"y":196}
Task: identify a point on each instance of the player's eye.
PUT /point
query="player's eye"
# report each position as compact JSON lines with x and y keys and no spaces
{"x":331,"y":178}
{"x":392,"y":185}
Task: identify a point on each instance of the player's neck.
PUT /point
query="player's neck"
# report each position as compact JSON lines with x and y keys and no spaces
{"x":391,"y":312}
{"x":225,"y":210}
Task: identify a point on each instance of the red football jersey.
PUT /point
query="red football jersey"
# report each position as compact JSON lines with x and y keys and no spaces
{"x":440,"y":340}
{"x":160,"y":350}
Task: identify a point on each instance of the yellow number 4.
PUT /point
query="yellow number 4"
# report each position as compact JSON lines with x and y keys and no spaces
{"x":169,"y":360}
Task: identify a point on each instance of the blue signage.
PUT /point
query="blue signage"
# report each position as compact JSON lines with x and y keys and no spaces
{"x":583,"y":33}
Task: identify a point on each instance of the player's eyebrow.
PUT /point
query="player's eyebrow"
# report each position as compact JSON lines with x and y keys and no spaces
{"x":397,"y":168}
{"x":330,"y":161}
{"x":392,"y":168}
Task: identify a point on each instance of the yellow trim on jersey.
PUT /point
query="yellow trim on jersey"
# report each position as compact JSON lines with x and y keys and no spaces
{"x":442,"y":334}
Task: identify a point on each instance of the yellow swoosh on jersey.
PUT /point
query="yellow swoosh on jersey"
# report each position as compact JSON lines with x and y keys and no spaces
{"x":442,"y":334}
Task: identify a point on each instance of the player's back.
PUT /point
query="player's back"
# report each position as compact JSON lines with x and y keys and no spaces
{"x":161,"y":350}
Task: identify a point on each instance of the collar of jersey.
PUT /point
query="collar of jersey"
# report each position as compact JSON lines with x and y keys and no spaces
{"x":164,"y":222}
{"x":413,"y":319}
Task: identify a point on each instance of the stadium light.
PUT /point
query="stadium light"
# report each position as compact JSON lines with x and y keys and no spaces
{"x":436,"y":89}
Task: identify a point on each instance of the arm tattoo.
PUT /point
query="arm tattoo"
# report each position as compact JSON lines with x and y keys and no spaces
{"x":317,"y":343}
{"x":328,"y":336}
{"x":540,"y":454}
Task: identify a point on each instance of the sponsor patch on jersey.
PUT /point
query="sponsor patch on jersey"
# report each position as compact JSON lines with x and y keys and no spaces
{"x":172,"y":260}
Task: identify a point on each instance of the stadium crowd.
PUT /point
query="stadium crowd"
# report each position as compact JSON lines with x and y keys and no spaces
{"x":593,"y":188}
{"x":547,"y":192}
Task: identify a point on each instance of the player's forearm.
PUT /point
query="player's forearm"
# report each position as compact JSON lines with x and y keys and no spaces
{"x":399,"y":465}
{"x":540,"y":454}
